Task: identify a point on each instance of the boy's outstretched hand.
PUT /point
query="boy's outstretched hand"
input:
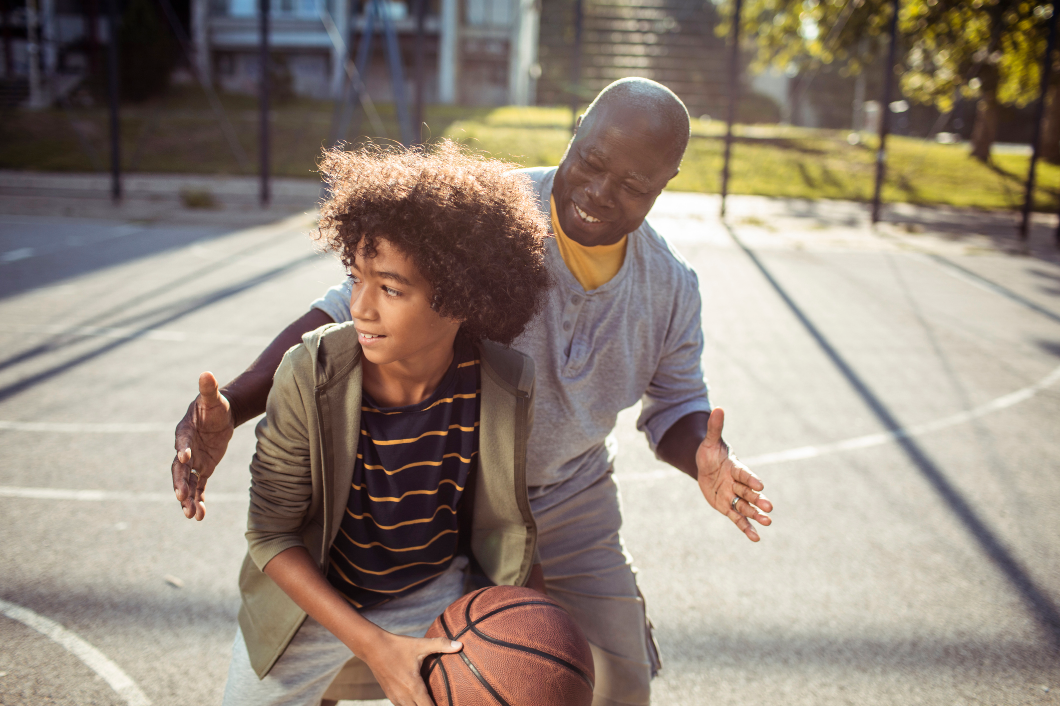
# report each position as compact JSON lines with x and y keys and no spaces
{"x":395,"y":661}
{"x":201,"y":440}
{"x":728,"y":485}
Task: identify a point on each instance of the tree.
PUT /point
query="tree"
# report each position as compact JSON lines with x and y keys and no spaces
{"x":986,"y":50}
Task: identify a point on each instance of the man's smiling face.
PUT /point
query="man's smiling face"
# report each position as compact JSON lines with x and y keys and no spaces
{"x":615,"y":167}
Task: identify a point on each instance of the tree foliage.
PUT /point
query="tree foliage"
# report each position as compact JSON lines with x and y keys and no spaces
{"x":989,"y":50}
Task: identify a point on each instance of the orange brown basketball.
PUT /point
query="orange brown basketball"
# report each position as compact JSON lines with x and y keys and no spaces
{"x":520,"y":649}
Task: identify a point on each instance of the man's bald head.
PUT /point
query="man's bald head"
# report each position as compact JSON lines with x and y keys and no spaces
{"x":626,"y":149}
{"x":641,"y":98}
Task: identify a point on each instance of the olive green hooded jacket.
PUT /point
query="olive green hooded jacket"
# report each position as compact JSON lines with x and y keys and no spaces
{"x":303,"y":468}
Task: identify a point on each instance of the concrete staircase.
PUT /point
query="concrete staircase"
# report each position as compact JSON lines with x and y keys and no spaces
{"x":670,"y":41}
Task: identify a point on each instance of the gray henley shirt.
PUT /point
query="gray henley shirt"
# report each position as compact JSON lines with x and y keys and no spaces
{"x":637,"y":338}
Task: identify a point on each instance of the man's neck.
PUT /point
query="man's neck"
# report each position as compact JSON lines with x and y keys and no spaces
{"x":406,"y":382}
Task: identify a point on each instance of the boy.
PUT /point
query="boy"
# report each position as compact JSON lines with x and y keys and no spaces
{"x":392,"y":453}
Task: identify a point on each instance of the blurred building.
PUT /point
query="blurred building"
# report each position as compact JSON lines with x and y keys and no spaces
{"x":477,"y":51}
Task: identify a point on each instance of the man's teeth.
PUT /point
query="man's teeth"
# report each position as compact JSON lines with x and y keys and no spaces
{"x":585,"y":216}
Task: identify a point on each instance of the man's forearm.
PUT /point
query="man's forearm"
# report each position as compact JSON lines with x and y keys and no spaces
{"x":679,"y":443}
{"x":249,"y":391}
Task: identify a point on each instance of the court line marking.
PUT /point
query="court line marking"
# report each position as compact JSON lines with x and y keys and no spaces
{"x":796,"y":454}
{"x":878,"y":439}
{"x":125,"y":333}
{"x":87,"y":427}
{"x":14,"y":491}
{"x":95,"y":660}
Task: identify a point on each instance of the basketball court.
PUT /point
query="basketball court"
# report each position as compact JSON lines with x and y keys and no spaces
{"x":896,"y":391}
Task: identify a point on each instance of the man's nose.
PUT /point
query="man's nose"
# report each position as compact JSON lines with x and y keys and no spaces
{"x":601,"y":190}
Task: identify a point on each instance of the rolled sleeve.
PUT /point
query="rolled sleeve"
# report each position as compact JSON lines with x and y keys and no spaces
{"x":336,"y":302}
{"x":678,"y":387}
{"x":281,"y":488}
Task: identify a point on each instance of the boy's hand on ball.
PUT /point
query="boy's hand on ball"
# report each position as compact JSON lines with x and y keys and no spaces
{"x":201,"y":439}
{"x":729,"y":486}
{"x":396,"y":660}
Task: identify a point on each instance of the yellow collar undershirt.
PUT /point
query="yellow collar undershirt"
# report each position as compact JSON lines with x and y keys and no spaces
{"x":593,"y":266}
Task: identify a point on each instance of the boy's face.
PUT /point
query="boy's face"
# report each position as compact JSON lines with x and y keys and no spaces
{"x":391,"y":310}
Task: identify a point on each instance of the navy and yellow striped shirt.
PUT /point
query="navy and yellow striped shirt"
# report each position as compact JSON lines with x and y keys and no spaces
{"x":400,"y":527}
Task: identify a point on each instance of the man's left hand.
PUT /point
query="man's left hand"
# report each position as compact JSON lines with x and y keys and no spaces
{"x":728,"y":485}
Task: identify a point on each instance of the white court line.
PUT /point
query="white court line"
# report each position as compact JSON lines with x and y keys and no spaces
{"x":796,"y":454}
{"x":869,"y":440}
{"x":87,"y":427}
{"x":126,"y":333}
{"x":14,"y":491}
{"x":96,"y":660}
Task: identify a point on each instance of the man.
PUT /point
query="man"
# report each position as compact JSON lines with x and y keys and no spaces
{"x":622,"y":324}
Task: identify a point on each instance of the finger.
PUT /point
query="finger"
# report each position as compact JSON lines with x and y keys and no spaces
{"x":441,"y":644}
{"x":746,"y":493}
{"x":741,"y":512}
{"x":715,"y":422}
{"x":200,"y":499}
{"x":180,"y":472}
{"x":743,"y":524}
{"x":208,"y":389}
{"x":742,"y":474}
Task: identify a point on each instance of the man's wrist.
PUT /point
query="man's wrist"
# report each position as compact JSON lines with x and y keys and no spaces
{"x":235,"y":407}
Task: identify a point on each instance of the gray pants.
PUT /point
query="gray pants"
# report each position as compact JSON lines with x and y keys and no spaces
{"x":315,"y":656}
{"x":588,"y":572}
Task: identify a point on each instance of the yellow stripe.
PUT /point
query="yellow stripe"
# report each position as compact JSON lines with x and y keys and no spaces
{"x":376,"y":590}
{"x":463,"y":396}
{"x":354,"y":603}
{"x":393,"y":568}
{"x":417,"y":463}
{"x":401,"y":524}
{"x":411,"y":492}
{"x":469,"y":363}
{"x":391,"y":549}
{"x":379,"y":442}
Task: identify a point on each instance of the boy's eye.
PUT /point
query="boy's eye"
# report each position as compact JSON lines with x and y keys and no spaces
{"x":391,"y":292}
{"x":353,"y":278}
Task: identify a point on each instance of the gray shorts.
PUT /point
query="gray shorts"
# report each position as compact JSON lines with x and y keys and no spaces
{"x":314,"y":656}
{"x":588,"y":572}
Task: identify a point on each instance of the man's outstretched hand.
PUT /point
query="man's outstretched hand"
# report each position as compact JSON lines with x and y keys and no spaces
{"x":722,"y":478}
{"x":202,"y":438}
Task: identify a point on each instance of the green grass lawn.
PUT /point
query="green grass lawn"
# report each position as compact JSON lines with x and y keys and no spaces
{"x":179,"y":133}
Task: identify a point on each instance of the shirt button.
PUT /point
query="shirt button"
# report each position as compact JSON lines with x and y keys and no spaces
{"x":575,"y":299}
{"x":566,"y":326}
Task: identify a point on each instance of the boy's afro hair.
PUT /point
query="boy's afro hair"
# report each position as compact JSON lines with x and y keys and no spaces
{"x":469,"y":224}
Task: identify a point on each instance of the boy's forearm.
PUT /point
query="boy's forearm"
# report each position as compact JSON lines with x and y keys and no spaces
{"x":295,"y":572}
{"x":248,"y":392}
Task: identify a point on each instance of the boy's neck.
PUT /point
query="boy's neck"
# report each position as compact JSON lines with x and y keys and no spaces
{"x":409,"y":381}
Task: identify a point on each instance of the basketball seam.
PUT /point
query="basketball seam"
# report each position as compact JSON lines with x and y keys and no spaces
{"x":445,"y":678}
{"x":471,"y":622}
{"x":482,"y":679}
{"x":471,"y":625}
{"x":531,"y":650}
{"x":470,"y":664}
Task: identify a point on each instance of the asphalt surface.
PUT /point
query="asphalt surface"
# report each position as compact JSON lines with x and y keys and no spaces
{"x":897,"y":391}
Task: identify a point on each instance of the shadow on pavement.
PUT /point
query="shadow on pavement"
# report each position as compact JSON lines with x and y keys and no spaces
{"x":146,"y":321}
{"x":975,"y":658}
{"x":1036,"y":600}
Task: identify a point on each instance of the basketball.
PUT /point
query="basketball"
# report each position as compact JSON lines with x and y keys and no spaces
{"x":520,"y":649}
